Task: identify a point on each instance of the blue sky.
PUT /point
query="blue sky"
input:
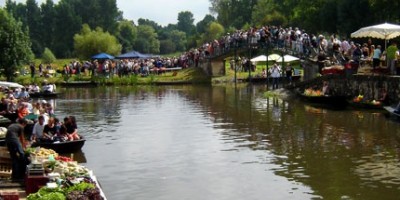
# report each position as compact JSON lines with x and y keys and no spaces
{"x":163,"y":12}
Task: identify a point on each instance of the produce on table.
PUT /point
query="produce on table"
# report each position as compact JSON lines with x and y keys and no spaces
{"x":311,"y":92}
{"x":82,"y":190}
{"x":41,"y":153}
{"x":359,"y":98}
{"x":73,"y":180}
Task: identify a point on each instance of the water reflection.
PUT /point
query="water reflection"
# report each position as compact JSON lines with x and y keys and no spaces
{"x":165,"y":141}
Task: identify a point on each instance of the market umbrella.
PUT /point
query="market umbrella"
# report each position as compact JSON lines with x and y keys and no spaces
{"x":384,"y":31}
{"x":259,"y":58}
{"x":132,"y":54}
{"x":273,"y":57}
{"x":287,"y":58}
{"x":102,"y":56}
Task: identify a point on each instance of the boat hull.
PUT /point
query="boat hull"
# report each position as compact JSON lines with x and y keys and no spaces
{"x":361,"y":105}
{"x":44,"y":94}
{"x":391,"y":111}
{"x":337,"y":102}
{"x":62,"y":147}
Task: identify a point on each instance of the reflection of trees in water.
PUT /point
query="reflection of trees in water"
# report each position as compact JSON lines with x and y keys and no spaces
{"x":320,"y":148}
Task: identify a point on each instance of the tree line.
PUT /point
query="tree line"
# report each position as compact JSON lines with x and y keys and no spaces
{"x":54,"y":26}
{"x":66,"y":27}
{"x":340,"y":17}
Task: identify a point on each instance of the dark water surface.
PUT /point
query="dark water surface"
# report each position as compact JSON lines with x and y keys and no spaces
{"x":203,"y":142}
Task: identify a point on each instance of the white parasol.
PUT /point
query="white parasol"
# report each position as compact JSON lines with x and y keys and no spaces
{"x":259,"y":58}
{"x":287,"y":58}
{"x":384,"y":31}
{"x":274,"y":57}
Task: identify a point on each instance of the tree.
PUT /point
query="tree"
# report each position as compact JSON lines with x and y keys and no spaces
{"x":127,"y":34}
{"x":89,"y":42}
{"x":167,"y":46}
{"x":234,"y":13}
{"x":185,"y":22}
{"x":33,"y":22}
{"x":68,"y":23}
{"x":387,"y":10}
{"x":48,"y":23}
{"x":202,"y":25}
{"x":15,"y":46}
{"x":148,"y":22}
{"x":179,"y":39}
{"x":147,"y":41}
{"x":215,"y":30}
{"x":267,"y":13}
{"x":48,"y":56}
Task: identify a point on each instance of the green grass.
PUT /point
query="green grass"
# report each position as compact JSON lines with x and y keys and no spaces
{"x":193,"y":75}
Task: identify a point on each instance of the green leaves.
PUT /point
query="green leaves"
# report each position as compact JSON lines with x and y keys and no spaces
{"x":15,"y":45}
{"x":48,"y":56}
{"x":89,"y":42}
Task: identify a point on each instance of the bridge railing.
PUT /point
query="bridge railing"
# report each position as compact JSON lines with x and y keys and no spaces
{"x":242,"y":46}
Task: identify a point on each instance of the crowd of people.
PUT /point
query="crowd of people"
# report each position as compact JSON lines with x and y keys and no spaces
{"x":299,"y":43}
{"x":125,"y":67}
{"x":33,"y":122}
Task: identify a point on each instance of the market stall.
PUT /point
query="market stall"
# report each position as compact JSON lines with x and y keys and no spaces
{"x":51,"y":176}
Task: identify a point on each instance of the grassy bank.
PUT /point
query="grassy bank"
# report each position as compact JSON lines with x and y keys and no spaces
{"x":190,"y":75}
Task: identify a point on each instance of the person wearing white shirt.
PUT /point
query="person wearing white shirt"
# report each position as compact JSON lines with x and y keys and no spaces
{"x":38,"y":128}
{"x":275,"y":74}
{"x":35,"y":88}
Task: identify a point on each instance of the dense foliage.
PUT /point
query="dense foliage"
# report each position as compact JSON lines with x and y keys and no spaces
{"x":48,"y":56}
{"x":334,"y":16}
{"x":90,"y":42}
{"x":15,"y":46}
{"x":53,"y":25}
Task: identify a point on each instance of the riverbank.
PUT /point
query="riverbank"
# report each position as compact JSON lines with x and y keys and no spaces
{"x":184,"y":76}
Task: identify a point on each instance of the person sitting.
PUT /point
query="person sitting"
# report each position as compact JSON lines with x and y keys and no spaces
{"x":48,"y":88}
{"x":71,"y":128}
{"x":37,"y":108}
{"x":3,"y":106}
{"x":35,"y":88}
{"x":49,"y":130}
{"x":37,"y":132}
{"x":23,"y":110}
{"x":24,"y":94}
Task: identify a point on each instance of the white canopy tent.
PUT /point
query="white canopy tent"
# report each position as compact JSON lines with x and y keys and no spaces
{"x":287,"y":58}
{"x":259,"y":58}
{"x":273,"y":57}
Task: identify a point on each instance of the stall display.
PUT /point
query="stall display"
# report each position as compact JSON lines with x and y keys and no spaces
{"x":51,"y":176}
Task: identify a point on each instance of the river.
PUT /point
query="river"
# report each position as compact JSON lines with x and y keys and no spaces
{"x":222,"y":142}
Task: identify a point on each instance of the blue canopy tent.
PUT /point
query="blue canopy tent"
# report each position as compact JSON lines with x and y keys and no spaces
{"x":102,"y":56}
{"x":132,"y":54}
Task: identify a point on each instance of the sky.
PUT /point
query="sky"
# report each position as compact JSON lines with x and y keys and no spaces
{"x":163,"y":12}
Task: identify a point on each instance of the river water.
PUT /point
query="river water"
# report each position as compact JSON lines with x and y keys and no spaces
{"x":218,"y":142}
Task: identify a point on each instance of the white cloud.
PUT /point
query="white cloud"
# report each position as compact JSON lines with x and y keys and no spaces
{"x":163,"y":12}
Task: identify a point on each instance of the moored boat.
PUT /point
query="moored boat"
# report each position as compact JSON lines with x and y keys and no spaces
{"x":332,"y":101}
{"x":44,"y":94}
{"x":391,"y":111}
{"x":79,"y":84}
{"x":62,"y":147}
{"x":366,"y":104}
